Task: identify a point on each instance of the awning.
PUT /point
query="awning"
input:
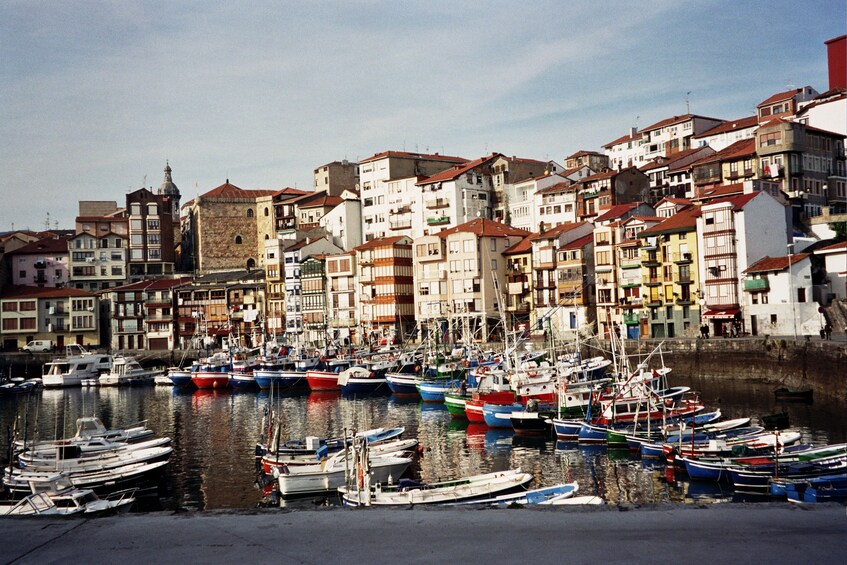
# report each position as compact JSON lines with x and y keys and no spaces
{"x":728,"y":314}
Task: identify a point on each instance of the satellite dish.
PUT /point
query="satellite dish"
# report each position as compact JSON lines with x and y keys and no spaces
{"x":702,"y":302}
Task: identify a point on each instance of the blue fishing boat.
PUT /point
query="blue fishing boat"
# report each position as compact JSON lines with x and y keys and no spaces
{"x":499,"y":415}
{"x":433,"y":390}
{"x":361,"y":381}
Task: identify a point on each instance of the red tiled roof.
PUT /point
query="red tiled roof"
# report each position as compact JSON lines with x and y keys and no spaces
{"x":483,"y":227}
{"x":672,"y":200}
{"x":720,"y":191}
{"x":741,"y":148}
{"x":555,"y":232}
{"x":152,"y":284}
{"x":731,"y":125}
{"x":676,"y":120}
{"x":380,"y":242}
{"x":600,"y":176}
{"x":580,"y":242}
{"x":780,"y":96}
{"x":48,"y":245}
{"x":322,"y":202}
{"x":623,"y":139}
{"x":456,"y":171}
{"x":523,"y":246}
{"x":19,"y":291}
{"x":616,"y":212}
{"x":684,"y":220}
{"x":841,"y":245}
{"x":558,"y":187}
{"x":737,"y":202}
{"x":228,"y":190}
{"x":767,"y":263}
{"x":645,"y":218}
{"x":671,"y":160}
{"x":405,"y":155}
{"x":291,"y":191}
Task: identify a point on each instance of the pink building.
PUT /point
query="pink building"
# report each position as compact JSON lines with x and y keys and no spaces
{"x":42,"y":263}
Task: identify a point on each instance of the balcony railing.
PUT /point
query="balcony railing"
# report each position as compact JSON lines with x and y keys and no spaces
{"x":757,"y":285}
{"x":631,"y":318}
{"x":436,"y":220}
{"x":682,"y":258}
{"x":436,"y":203}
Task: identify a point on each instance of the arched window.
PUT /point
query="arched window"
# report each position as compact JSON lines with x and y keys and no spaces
{"x":251,"y":264}
{"x":267,"y":212}
{"x":238,"y":240}
{"x":249,"y":212}
{"x":267,"y":236}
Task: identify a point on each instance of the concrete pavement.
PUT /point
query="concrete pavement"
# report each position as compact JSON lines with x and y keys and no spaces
{"x":721,"y":533}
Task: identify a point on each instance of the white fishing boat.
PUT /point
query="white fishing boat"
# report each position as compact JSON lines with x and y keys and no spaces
{"x":58,"y":497}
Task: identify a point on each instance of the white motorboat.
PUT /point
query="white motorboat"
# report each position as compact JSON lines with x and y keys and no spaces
{"x":75,"y":366}
{"x":126,"y":371}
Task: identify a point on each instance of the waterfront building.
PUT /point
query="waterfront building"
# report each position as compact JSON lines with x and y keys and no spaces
{"x":311,"y":208}
{"x":549,"y":302}
{"x":662,"y":139}
{"x":575,"y":284}
{"x":142,"y":315}
{"x":41,"y":263}
{"x":518,"y":291}
{"x":314,"y":290}
{"x":457,"y":195}
{"x":98,"y":251}
{"x":274,"y":287}
{"x":732,"y":165}
{"x":337,"y":177}
{"x":606,"y":237}
{"x":225,"y":229}
{"x":150,"y":250}
{"x":556,"y":204}
{"x":662,"y":183}
{"x":732,"y":233}
{"x":284,"y":204}
{"x":669,"y":278}
{"x":835,"y":265}
{"x":725,"y":134}
{"x":778,"y":297}
{"x":522,"y":198}
{"x":293,"y":254}
{"x":455,"y":293}
{"x":385,"y":281}
{"x":506,"y":172}
{"x":803,"y":162}
{"x":382,"y":168}
{"x":63,"y":315}
{"x":601,"y":192}
{"x":341,"y":303}
{"x":343,"y":223}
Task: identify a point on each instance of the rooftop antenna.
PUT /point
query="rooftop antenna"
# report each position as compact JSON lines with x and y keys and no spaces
{"x":47,"y":222}
{"x":687,"y":102}
{"x":144,"y":183}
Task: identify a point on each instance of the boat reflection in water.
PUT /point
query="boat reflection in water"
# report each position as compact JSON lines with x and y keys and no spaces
{"x":214,"y":433}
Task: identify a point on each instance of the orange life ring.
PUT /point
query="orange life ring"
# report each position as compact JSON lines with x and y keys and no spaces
{"x":532,"y":374}
{"x":483,"y":370}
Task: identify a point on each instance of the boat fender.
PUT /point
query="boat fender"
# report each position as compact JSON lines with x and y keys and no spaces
{"x":532,"y":374}
{"x":360,"y":476}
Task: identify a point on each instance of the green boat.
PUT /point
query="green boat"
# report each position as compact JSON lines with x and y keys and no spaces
{"x":455,"y":403}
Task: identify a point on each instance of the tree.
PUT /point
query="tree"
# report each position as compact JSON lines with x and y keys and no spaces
{"x":840,"y":229}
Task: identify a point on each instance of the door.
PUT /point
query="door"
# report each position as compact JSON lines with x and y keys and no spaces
{"x":754,"y":325}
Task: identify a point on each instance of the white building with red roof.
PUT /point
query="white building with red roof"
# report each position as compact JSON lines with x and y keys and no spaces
{"x":63,"y":315}
{"x":778,"y":297}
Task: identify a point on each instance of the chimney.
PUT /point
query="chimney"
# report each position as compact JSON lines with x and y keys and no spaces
{"x":836,"y":50}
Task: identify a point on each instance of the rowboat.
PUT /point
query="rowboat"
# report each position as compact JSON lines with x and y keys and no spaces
{"x":544,"y":496}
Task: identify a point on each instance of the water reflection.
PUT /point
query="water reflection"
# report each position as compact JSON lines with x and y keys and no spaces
{"x":214,"y":434}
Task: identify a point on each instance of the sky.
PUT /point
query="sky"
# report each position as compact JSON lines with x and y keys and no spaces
{"x":95,"y":96}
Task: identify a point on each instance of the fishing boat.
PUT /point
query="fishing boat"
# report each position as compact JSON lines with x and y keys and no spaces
{"x":499,"y":415}
{"x":212,"y":371}
{"x":361,"y":381}
{"x":68,"y":501}
{"x":20,"y":482}
{"x":325,"y":378}
{"x":91,"y":427}
{"x":450,"y":491}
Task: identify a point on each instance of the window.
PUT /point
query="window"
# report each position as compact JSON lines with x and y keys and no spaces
{"x":801,"y":295}
{"x":249,"y":212}
{"x":152,"y":210}
{"x":267,"y":213}
{"x":238,"y":240}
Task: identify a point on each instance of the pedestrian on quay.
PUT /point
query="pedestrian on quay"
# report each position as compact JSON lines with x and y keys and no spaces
{"x":828,"y":331}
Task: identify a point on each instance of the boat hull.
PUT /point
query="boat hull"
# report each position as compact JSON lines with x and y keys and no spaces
{"x":210,"y":380}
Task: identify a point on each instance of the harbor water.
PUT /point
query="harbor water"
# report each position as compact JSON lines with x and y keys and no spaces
{"x":214,"y":434}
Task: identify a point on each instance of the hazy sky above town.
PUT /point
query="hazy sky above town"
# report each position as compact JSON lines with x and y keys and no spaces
{"x":95,"y":96}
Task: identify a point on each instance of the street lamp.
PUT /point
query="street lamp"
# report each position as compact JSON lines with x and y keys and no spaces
{"x":791,"y":293}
